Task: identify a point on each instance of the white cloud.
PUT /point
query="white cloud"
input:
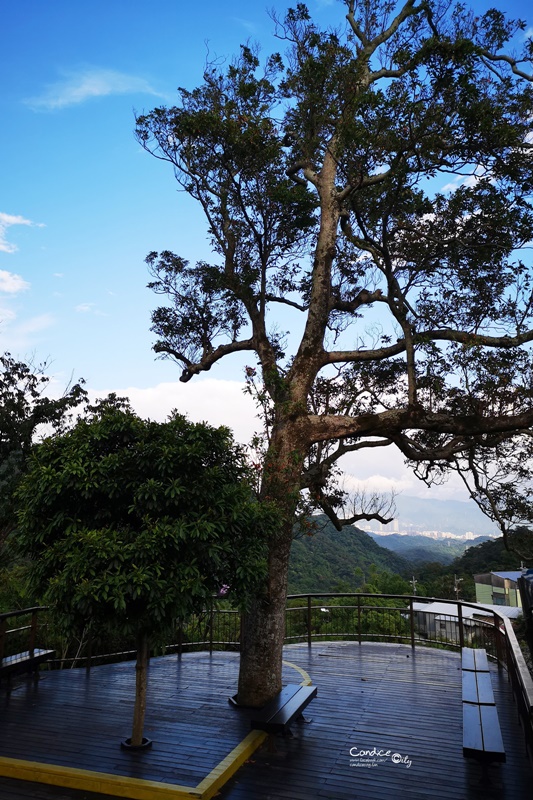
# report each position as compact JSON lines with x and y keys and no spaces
{"x":223,"y":402}
{"x":18,"y":337}
{"x":78,"y":86}
{"x":7,"y":315}
{"x":35,"y":324}
{"x":219,"y":402}
{"x":11,"y":283}
{"x":246,"y":24}
{"x":89,"y":308}
{"x":7,"y":221}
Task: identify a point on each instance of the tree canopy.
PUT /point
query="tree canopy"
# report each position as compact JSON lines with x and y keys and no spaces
{"x":368,"y":201}
{"x":131,"y":524}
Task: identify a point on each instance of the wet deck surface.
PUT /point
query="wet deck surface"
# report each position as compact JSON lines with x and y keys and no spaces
{"x":373,"y":696}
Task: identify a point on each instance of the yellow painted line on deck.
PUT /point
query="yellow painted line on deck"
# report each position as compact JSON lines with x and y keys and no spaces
{"x":137,"y":788}
{"x":133,"y":788}
{"x":103,"y":782}
{"x":305,"y":675}
{"x":229,"y":765}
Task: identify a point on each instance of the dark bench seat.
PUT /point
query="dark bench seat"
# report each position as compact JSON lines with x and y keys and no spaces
{"x":287,"y":706}
{"x":482,"y":738}
{"x":24,"y":662}
{"x":474,"y":660}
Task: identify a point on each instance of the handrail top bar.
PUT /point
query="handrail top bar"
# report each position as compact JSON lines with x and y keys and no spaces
{"x":523,"y":672}
{"x":415,"y":598}
{"x":21,"y":611}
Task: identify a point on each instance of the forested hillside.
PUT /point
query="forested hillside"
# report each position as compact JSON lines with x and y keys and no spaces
{"x":487,"y":557}
{"x":332,"y":560}
{"x":419,"y":549}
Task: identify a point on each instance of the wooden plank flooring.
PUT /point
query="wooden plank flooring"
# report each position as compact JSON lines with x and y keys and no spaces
{"x":384,"y":698}
{"x":370,"y":696}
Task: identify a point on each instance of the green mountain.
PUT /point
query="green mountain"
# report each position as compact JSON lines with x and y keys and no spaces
{"x":319,"y":563}
{"x":420,"y":549}
{"x":490,"y":556}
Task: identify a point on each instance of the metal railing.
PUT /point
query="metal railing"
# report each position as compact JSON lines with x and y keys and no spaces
{"x":314,"y":617}
{"x":19,"y":632}
{"x":371,"y":617}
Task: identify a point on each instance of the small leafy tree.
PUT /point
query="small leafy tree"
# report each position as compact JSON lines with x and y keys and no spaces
{"x":131,"y":524}
{"x":25,"y":409}
{"x":368,"y":198}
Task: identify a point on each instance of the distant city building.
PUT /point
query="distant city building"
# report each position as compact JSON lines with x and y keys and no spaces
{"x":498,"y":588}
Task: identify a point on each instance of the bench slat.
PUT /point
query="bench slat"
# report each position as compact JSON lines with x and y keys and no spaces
{"x":472,"y":735}
{"x":281,"y":699}
{"x":482,"y":662}
{"x":474,"y":659}
{"x":468,"y":661}
{"x":477,"y":688}
{"x":283,"y":709}
{"x":484,"y":689}
{"x":492,"y":735}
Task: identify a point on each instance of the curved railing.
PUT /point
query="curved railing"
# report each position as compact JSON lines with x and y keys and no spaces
{"x":309,"y":618}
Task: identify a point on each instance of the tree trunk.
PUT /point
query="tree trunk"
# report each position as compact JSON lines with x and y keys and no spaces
{"x":263,"y":632}
{"x":263,"y":629}
{"x":141,"y":682}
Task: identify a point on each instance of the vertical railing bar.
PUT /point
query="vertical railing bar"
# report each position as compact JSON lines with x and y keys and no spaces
{"x":412,"y":622}
{"x":460,"y":621}
{"x":3,"y":626}
{"x":211,"y":622}
{"x":33,"y":634}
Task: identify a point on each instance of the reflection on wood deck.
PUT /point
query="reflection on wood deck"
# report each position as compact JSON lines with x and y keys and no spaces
{"x":370,"y":696}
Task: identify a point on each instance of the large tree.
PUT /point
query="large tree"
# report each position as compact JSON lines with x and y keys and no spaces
{"x":371,"y":193}
{"x":132,"y":524}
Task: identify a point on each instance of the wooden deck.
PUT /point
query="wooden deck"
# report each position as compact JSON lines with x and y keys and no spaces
{"x":370,"y":697}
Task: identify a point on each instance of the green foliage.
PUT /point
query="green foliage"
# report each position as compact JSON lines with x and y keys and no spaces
{"x":375,"y":171}
{"x":486,"y":557}
{"x":419,"y":549}
{"x":131,"y":523}
{"x":25,"y":411}
{"x":331,"y":560}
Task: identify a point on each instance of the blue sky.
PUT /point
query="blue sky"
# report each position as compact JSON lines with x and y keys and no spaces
{"x":81,"y":204}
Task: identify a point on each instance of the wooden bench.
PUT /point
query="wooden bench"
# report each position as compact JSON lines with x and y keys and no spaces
{"x":482,"y":738}
{"x":24,"y":662}
{"x":288,"y":705}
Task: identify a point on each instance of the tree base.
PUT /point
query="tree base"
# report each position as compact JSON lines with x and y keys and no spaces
{"x":234,"y":702}
{"x":127,"y":745}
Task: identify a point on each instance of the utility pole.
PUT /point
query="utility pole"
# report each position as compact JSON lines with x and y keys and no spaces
{"x":413,"y":584}
{"x":456,"y":587}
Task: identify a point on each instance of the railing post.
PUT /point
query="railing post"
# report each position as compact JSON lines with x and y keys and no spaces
{"x":33,"y":634}
{"x":211,"y":621}
{"x":412,"y":622}
{"x":3,"y":626}
{"x":309,"y":620}
{"x":89,"y":656}
{"x":460,"y":622}
{"x":359,"y":618}
{"x":497,"y":639}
